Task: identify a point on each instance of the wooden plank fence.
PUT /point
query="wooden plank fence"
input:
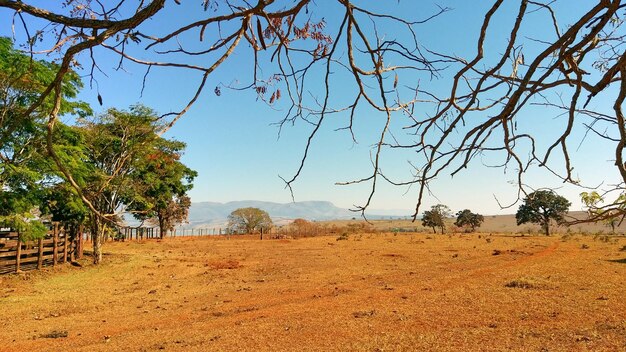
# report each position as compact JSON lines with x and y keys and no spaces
{"x":55,"y":248}
{"x":138,"y":233}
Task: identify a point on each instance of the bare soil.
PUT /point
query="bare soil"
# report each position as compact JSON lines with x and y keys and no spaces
{"x":378,"y":292}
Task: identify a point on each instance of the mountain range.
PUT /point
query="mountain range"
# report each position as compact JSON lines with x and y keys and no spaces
{"x":213,"y":214}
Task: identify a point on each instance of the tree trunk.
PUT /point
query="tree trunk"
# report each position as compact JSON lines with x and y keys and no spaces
{"x":162,"y":229}
{"x":546,"y":226}
{"x":434,"y":230}
{"x":97,"y":237}
{"x":97,"y":247}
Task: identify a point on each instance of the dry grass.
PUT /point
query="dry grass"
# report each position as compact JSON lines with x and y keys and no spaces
{"x":380,"y":292}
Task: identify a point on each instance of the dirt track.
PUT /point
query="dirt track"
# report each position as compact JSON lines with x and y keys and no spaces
{"x":371,"y":292}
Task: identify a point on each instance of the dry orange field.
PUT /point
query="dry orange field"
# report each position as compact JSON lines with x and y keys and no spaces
{"x":378,"y":292}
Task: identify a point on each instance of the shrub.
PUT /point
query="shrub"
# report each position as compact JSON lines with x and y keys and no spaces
{"x":524,"y":283}
{"x":344,"y":237}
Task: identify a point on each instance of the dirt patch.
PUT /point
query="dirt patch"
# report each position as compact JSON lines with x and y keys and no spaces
{"x":393,"y":255}
{"x":225,"y":264}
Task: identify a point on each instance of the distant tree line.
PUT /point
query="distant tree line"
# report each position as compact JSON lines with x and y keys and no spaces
{"x":540,"y":207}
{"x":111,"y":163}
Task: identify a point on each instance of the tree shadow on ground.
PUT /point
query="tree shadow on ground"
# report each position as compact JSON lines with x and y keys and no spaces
{"x":620,"y":261}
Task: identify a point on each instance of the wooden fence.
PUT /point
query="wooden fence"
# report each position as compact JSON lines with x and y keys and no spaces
{"x":56,"y":247}
{"x":140,"y":233}
{"x":53,"y":249}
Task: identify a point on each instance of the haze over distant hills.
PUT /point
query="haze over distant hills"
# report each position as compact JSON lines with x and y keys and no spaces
{"x":216,"y":214}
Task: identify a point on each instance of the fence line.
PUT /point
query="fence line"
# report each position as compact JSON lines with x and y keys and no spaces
{"x":56,"y":247}
{"x":146,"y":233}
{"x":140,"y":233}
{"x":53,"y":249}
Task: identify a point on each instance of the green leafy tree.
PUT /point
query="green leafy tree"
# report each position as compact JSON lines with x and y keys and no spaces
{"x":25,"y":169}
{"x":171,"y":212}
{"x":249,"y":220}
{"x":163,"y":181}
{"x":117,"y":143}
{"x":25,"y":224}
{"x":611,"y":215}
{"x":542,"y":207}
{"x":470,"y":221}
{"x":435,"y":217}
{"x":64,"y":206}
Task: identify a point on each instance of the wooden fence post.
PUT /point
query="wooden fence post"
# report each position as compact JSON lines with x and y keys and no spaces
{"x":73,"y":248}
{"x":65,"y":246}
{"x":40,"y":254}
{"x":55,"y":242}
{"x":18,"y":255}
{"x":80,"y":242}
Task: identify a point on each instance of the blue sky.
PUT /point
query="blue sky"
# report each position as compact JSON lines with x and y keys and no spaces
{"x":233,"y":145}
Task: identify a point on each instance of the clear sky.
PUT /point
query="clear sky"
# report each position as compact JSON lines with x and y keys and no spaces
{"x":234,"y":146}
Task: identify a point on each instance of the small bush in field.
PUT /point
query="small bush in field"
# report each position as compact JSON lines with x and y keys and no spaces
{"x":600,"y":236}
{"x":524,"y":283}
{"x":344,"y":237}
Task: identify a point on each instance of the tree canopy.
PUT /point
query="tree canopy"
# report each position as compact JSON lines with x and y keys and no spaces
{"x":465,"y":218}
{"x":249,"y":220}
{"x":607,"y":214}
{"x":131,"y":168}
{"x":164,"y":182}
{"x":541,"y":207}
{"x":115,"y":161}
{"x":27,"y":176}
{"x":436,"y":217}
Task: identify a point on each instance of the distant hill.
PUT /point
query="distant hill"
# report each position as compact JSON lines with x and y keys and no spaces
{"x":215,"y":214}
{"x":493,"y":224}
